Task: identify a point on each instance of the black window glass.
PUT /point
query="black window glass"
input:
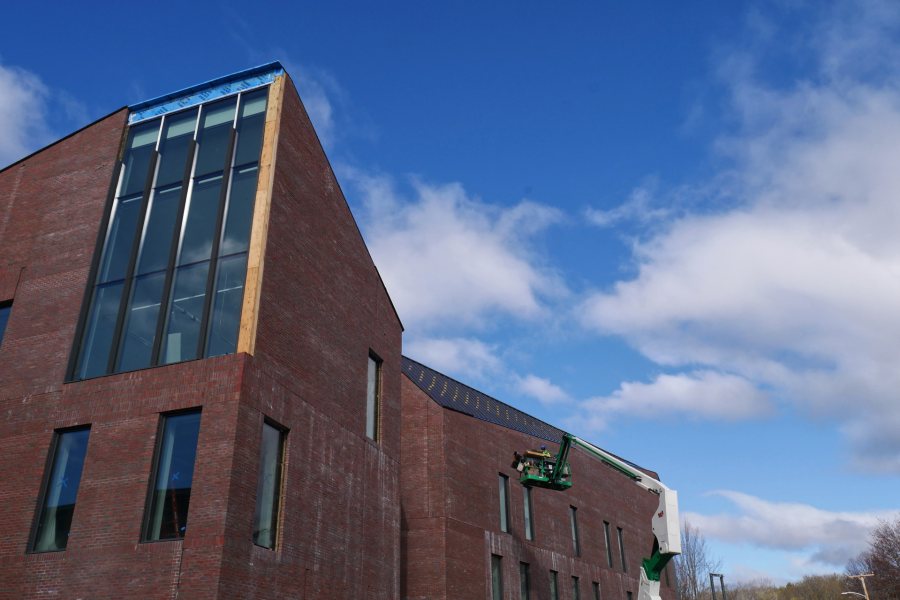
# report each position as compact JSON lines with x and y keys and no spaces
{"x":227,"y":303}
{"x":188,"y":298}
{"x":250,"y":127}
{"x":5,"y":309}
{"x":136,"y":162}
{"x":596,"y":587}
{"x":622,"y":549}
{"x":176,"y":143}
{"x":496,"y":577}
{"x":140,"y":324}
{"x":58,"y":504}
{"x":122,"y":230}
{"x":609,"y":554}
{"x":240,"y":211}
{"x":176,"y":450}
{"x":101,"y":326}
{"x":215,"y":133}
{"x":554,"y":586}
{"x":201,"y":220}
{"x":576,"y":589}
{"x":268,"y":488}
{"x":524,"y":582}
{"x":161,"y":222}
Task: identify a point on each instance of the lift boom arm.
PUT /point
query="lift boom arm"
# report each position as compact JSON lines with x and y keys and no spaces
{"x":554,"y":474}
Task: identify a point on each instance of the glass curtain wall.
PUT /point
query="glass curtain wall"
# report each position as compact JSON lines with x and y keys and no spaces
{"x":170,"y":279}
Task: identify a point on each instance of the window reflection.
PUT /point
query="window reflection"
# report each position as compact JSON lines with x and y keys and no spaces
{"x":58,"y":505}
{"x":175,"y":455}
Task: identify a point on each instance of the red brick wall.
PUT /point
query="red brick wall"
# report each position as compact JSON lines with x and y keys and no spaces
{"x":454,"y":489}
{"x":323,"y":308}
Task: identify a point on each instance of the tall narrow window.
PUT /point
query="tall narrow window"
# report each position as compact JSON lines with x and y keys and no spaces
{"x":622,"y":550}
{"x":268,"y":487}
{"x":503,"y":482}
{"x":609,"y":555}
{"x":524,"y":582}
{"x":5,"y":309}
{"x":373,"y":393}
{"x":176,"y":449}
{"x":496,"y":577}
{"x":595,"y":586}
{"x":554,"y":585}
{"x":628,"y":596}
{"x":573,"y":518}
{"x":57,"y":506}
{"x":529,"y":519}
{"x":576,"y":589}
{"x":169,"y":280}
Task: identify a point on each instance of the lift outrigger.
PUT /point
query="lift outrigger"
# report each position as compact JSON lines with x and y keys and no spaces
{"x":539,"y":468}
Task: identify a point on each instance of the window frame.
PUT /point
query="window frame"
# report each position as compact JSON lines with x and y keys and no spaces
{"x":154,"y":471}
{"x":496,"y":577}
{"x":524,"y":581}
{"x":278,"y":496}
{"x":375,"y":400}
{"x":554,"y":585}
{"x":622,"y":549}
{"x":576,"y":588}
{"x":149,"y":191}
{"x":608,"y":539}
{"x":528,"y":512}
{"x":595,"y":587}
{"x":573,"y":519}
{"x":49,"y":463}
{"x":503,"y":504}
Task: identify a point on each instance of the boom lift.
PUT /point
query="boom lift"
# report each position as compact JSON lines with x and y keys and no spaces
{"x":539,"y":468}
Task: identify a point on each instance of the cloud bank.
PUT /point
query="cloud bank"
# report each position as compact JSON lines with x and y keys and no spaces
{"x":794,"y":289}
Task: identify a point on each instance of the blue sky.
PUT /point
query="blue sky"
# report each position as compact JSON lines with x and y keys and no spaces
{"x":671,"y":229}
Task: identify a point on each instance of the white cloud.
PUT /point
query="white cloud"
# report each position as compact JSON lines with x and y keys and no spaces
{"x":641,"y":207}
{"x":462,"y":356}
{"x":797,"y":287}
{"x":827,"y":537}
{"x":545,"y":391}
{"x":450,"y":259}
{"x":23,"y":114}
{"x":703,"y":394}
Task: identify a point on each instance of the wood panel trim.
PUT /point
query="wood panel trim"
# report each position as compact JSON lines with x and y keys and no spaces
{"x":261,"y":210}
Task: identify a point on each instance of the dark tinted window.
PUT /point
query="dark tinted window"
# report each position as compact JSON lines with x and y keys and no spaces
{"x":170,"y":496}
{"x":268,"y":487}
{"x":54,"y":520}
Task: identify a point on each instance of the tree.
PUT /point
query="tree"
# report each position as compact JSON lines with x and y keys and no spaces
{"x":883,"y":559}
{"x":693,"y":565}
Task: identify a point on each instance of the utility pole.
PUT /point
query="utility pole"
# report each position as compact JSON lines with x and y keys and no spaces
{"x":712,"y":585}
{"x":862,"y":580}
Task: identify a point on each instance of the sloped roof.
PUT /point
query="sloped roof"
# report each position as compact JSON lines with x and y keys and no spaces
{"x":457,"y":396}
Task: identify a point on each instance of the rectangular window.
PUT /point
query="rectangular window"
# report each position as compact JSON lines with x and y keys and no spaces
{"x":66,"y":461}
{"x":268,"y":487}
{"x":5,"y":309}
{"x":595,"y":586}
{"x":524,"y":582}
{"x":573,"y":518}
{"x":169,"y":279}
{"x":373,"y":396}
{"x":628,"y":596}
{"x":176,"y":449}
{"x":554,"y":585}
{"x":529,"y":519}
{"x":496,"y":577}
{"x":609,"y":559}
{"x":576,"y":590}
{"x":622,"y":550}
{"x":503,"y":482}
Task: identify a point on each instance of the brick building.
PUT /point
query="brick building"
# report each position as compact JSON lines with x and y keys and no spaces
{"x":200,"y":378}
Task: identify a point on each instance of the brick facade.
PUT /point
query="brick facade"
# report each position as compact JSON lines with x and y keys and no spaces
{"x":353,"y":523}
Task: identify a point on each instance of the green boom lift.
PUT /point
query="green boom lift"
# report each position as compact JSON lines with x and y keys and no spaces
{"x":539,"y":468}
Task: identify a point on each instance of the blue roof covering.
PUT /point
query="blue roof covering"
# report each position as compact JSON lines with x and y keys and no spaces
{"x":457,"y":396}
{"x":206,"y":91}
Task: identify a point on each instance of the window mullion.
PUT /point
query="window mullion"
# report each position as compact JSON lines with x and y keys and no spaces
{"x":214,"y":253}
{"x":132,"y":266}
{"x":173,"y":255}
